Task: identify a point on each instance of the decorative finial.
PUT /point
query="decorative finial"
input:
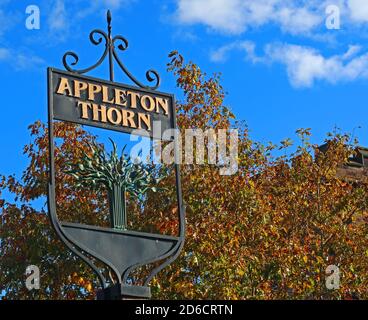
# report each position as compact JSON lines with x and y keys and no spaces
{"x":109,"y":18}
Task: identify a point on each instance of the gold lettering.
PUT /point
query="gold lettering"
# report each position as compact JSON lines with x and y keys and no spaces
{"x":105,"y":95}
{"x":128,"y":119}
{"x":99,"y":113}
{"x":133,"y":99}
{"x":164,"y":104}
{"x":114,"y":119}
{"x":78,"y":87}
{"x":93,"y":89}
{"x":146,"y":118}
{"x":151,"y":103}
{"x":120,"y":97}
{"x":64,"y":86}
{"x":85,"y":106}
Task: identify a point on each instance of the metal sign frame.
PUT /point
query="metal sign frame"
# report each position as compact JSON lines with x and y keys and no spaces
{"x":121,"y":251}
{"x":69,"y":115}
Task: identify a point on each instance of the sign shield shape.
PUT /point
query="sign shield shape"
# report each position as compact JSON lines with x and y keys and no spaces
{"x":122,"y":251}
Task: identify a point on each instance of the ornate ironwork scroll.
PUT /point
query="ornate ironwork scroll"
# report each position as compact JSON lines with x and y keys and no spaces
{"x":111,"y":43}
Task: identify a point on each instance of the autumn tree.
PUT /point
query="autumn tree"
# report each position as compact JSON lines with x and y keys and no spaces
{"x":267,"y":232}
{"x":25,"y":232}
{"x":271,"y":230}
{"x":313,"y":219}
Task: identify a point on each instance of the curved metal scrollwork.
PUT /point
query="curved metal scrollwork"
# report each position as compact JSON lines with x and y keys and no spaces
{"x":151,"y":75}
{"x":111,"y":43}
{"x":96,"y":42}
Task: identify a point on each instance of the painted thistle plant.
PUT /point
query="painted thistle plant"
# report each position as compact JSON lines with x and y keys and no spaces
{"x":118,"y":175}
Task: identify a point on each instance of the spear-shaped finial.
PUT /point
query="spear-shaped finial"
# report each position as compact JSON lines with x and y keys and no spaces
{"x":110,"y":44}
{"x":109,"y":18}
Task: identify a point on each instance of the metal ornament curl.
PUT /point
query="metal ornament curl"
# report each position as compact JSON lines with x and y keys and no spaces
{"x":152,"y":75}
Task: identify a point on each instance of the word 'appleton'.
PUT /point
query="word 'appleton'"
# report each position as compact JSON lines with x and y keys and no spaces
{"x":112,"y":104}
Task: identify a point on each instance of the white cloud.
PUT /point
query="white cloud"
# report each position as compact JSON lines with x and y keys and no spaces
{"x":20,"y":60}
{"x":62,"y":12}
{"x":57,"y":17}
{"x":4,"y":54}
{"x":292,"y":16}
{"x":219,"y":14}
{"x":359,"y":10}
{"x":353,"y":50}
{"x":25,"y":61}
{"x":235,"y":16}
{"x":8,"y":18}
{"x":115,"y":4}
{"x":297,"y":20}
{"x":222,"y":53}
{"x":305,"y":66}
{"x":93,"y":6}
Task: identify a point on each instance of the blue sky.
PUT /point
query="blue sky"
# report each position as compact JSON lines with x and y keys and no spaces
{"x":282,"y":67}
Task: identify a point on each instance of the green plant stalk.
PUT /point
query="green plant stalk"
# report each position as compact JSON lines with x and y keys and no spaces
{"x":119,"y":175}
{"x":117,"y":204}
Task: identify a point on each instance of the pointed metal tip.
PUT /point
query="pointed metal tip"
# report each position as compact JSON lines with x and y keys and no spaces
{"x":109,"y":18}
